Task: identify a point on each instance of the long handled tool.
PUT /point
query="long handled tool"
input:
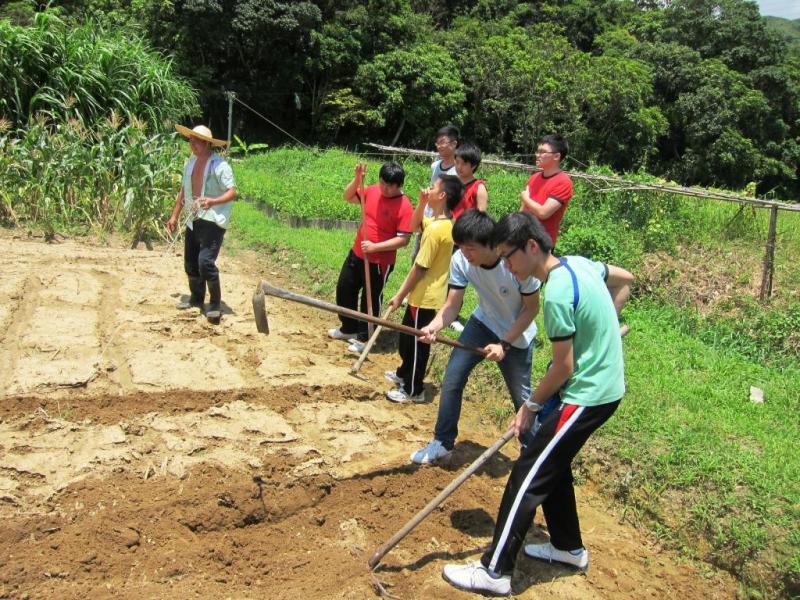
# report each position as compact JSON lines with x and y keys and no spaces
{"x":431,"y":506}
{"x":367,"y":276}
{"x":370,"y":343}
{"x":262,"y":323}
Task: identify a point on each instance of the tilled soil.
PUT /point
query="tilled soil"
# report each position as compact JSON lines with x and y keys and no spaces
{"x":145,"y":453}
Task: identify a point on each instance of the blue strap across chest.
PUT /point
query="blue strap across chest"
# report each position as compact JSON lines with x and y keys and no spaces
{"x":576,"y":294}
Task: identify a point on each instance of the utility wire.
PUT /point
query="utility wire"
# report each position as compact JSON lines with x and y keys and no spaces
{"x":271,"y":123}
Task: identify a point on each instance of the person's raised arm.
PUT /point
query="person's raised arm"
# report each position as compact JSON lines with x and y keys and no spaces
{"x":619,"y":286}
{"x":419,"y":211}
{"x":352,"y":189}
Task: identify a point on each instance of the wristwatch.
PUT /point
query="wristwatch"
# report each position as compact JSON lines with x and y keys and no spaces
{"x":505,"y":345}
{"x":532,"y":406}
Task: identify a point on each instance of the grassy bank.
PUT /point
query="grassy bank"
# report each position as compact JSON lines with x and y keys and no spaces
{"x":687,"y":455}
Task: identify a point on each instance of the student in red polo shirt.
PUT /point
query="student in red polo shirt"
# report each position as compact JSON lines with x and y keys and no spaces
{"x":468,"y":159}
{"x":387,"y":216}
{"x":548,"y":191}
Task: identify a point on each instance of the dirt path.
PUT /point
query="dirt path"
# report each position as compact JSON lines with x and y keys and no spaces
{"x":146,"y":453}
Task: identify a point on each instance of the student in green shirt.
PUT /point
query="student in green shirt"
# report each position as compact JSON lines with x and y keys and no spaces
{"x":582,"y":300}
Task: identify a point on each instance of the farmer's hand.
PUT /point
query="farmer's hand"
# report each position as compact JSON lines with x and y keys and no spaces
{"x":368,"y":247}
{"x":206,"y":203}
{"x":523,"y":420}
{"x":496,"y":352}
{"x":430,"y":331}
{"x":172,"y":224}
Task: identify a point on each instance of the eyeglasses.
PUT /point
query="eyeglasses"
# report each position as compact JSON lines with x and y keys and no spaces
{"x":507,"y":257}
{"x":443,"y":144}
{"x":540,"y":152}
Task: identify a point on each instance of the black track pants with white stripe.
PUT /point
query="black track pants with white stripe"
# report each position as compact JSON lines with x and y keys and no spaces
{"x":543,"y":475}
{"x":413,"y":353}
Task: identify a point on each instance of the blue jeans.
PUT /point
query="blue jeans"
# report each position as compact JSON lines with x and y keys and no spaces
{"x":515,"y":367}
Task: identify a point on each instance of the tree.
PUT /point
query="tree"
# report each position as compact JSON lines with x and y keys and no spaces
{"x":418,"y":87}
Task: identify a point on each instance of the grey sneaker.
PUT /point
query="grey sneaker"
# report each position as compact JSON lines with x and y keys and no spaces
{"x":474,"y":577}
{"x":356,"y":347}
{"x":401,"y":396}
{"x":577,"y":559}
{"x":456,"y":326}
{"x":433,"y":452}
{"x":392,"y":376}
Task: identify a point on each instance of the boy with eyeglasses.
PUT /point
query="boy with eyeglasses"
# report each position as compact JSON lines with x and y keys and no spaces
{"x":548,"y":191}
{"x":582,"y":302}
{"x":502,"y":323}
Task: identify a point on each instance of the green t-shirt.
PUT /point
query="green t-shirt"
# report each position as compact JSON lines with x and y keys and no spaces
{"x":598,"y":370}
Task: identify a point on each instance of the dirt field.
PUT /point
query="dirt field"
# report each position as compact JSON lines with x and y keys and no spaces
{"x":147,"y":454}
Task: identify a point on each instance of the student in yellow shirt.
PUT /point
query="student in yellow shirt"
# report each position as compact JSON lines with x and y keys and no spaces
{"x":425,"y":285}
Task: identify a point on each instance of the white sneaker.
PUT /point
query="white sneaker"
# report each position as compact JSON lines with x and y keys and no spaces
{"x":456,"y":326}
{"x":433,"y":452}
{"x":401,"y":396}
{"x":356,"y":347}
{"x":392,"y":376}
{"x":549,"y":553}
{"x":474,"y":577}
{"x":337,"y":334}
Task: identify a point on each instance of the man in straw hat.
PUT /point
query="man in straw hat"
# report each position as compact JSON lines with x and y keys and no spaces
{"x":209,"y":187}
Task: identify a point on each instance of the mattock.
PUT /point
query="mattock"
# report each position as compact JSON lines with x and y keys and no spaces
{"x":264,"y":289}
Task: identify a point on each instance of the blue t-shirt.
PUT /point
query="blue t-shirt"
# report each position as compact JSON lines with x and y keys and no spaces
{"x":499,"y":295}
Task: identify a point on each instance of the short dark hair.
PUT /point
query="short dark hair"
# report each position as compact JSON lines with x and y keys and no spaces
{"x":469,"y":152}
{"x":473,"y":227}
{"x":515,"y":229}
{"x":557,"y":142}
{"x":391,"y":172}
{"x":448,"y":131}
{"x":453,"y":190}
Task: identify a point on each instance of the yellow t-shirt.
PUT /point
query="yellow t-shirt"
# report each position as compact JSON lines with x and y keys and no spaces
{"x":435,"y":251}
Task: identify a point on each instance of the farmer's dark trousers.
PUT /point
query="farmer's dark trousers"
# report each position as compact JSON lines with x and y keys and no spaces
{"x":350,"y":286}
{"x":414,"y":354}
{"x":543,"y":475}
{"x":201,"y":248}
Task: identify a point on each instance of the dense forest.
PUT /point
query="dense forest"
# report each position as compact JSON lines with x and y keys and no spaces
{"x":697,"y":91}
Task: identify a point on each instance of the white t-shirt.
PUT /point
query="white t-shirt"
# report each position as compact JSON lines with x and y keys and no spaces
{"x":436,"y":172}
{"x":499,"y":295}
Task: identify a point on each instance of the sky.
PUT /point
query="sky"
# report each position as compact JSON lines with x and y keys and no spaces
{"x":788,"y":9}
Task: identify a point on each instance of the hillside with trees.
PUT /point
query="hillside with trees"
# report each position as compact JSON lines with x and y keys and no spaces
{"x":700,"y":92}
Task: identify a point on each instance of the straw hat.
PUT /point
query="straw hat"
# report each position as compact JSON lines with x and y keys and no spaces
{"x":201,"y":132}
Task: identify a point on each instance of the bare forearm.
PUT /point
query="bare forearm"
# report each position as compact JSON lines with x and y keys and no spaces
{"x":414,"y":276}
{"x":393,"y":244}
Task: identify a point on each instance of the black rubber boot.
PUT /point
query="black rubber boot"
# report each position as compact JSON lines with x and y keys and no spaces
{"x":197,"y":287}
{"x":214,"y":312}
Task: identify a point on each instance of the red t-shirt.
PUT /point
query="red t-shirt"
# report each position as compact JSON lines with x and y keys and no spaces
{"x":469,"y":199}
{"x":558,"y":186}
{"x":385,"y":218}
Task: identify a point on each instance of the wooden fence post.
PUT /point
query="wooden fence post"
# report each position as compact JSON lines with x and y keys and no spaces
{"x":769,"y":258}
